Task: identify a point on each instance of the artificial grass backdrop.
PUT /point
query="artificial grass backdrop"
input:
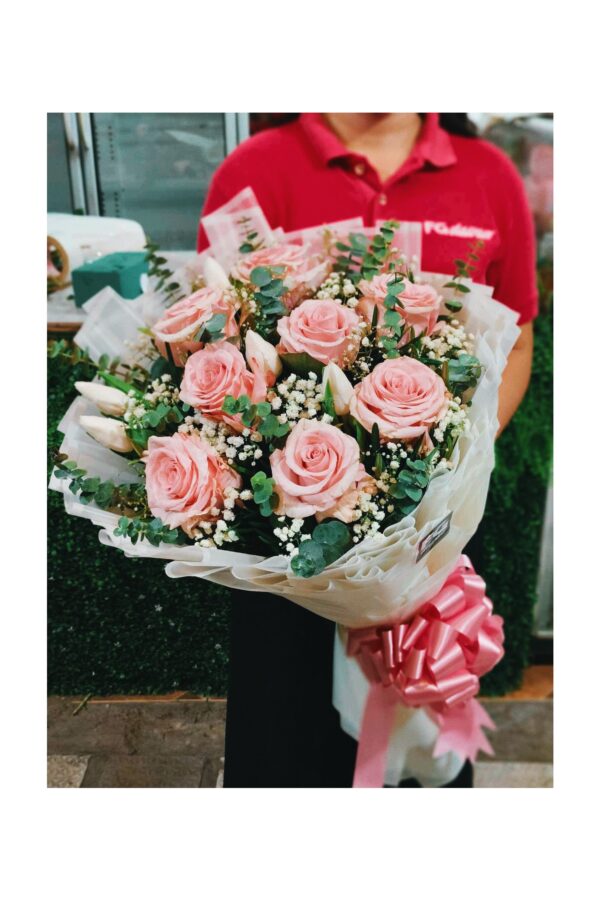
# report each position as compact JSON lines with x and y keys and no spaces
{"x":120,"y":626}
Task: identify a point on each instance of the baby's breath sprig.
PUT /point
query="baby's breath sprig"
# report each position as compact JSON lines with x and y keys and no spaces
{"x":448,"y":341}
{"x":289,"y":534}
{"x":451,"y":426}
{"x":157,"y":411}
{"x":242,"y":450}
{"x":221,"y":527}
{"x":340,"y":289}
{"x":296,"y":397}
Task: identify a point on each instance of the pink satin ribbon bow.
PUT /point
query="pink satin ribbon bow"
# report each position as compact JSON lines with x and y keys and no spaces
{"x":434,"y":660}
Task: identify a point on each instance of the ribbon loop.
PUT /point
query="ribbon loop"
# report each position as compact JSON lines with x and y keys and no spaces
{"x":434,"y":660}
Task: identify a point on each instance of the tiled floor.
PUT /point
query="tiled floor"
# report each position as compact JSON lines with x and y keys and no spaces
{"x":178,"y":740}
{"x":512,"y":775}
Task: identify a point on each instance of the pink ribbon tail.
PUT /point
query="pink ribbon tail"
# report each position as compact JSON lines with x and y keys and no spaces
{"x":375,"y":731}
{"x":460,"y":730}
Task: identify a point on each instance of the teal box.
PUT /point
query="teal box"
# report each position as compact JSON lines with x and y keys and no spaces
{"x":121,"y":271}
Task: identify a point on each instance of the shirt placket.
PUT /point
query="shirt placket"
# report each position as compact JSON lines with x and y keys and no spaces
{"x":378,"y":200}
{"x":381,"y":191}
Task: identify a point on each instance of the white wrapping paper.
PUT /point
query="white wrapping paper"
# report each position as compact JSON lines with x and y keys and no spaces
{"x":376,"y":580}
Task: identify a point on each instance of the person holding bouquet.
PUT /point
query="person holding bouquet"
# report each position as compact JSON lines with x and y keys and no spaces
{"x":282,"y":729}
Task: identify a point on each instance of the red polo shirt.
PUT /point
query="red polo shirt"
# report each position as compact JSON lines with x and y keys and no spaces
{"x":460,"y":189}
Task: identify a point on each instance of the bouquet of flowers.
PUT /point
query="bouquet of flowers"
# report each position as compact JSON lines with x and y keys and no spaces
{"x":312,"y":416}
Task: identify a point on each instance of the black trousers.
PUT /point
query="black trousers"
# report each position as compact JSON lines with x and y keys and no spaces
{"x":282,"y":729}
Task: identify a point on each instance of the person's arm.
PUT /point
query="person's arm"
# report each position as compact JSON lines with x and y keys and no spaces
{"x":516,"y":377}
{"x":514,"y":280}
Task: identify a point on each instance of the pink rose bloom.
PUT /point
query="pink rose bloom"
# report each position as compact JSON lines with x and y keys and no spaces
{"x":291,"y":256}
{"x":303,"y":270}
{"x":403,"y":396}
{"x":212,"y":373}
{"x":324,"y":329}
{"x":318,"y":472}
{"x":186,"y":480}
{"x":420,"y":303}
{"x":182,"y":320}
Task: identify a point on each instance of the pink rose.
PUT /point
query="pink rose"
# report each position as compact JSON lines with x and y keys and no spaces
{"x":403,"y":396}
{"x":420,"y":303}
{"x":291,"y":256}
{"x":186,"y":480}
{"x":213,"y":373}
{"x":324,"y":329}
{"x":182,"y":320}
{"x":317,"y":472}
{"x":346,"y":508}
{"x":302,"y":270}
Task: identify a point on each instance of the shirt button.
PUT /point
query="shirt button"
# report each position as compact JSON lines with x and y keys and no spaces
{"x":382,"y":199}
{"x":359,"y":169}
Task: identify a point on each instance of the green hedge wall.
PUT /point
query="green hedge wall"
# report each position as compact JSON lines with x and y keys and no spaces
{"x":120,"y":626}
{"x":512,"y":524}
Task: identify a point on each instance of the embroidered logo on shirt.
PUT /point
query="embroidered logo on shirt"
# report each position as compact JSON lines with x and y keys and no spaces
{"x":458,"y":230}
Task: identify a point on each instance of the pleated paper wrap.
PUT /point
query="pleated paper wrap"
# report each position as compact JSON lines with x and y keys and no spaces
{"x":374,"y":582}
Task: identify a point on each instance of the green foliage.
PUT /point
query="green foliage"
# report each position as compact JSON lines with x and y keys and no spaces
{"x":462,"y":374}
{"x":157,"y":268}
{"x":120,"y":384}
{"x":69,"y":354}
{"x":250,"y":243}
{"x":330,"y":540}
{"x":255,"y":415}
{"x":464,"y":269}
{"x":264,"y":493}
{"x":162,"y":366}
{"x":212,"y":331}
{"x":410,"y":486}
{"x":122,"y":497}
{"x":457,"y":286}
{"x":271,"y":427}
{"x":151,"y":530}
{"x":508,"y":545}
{"x":267,"y":294}
{"x":358,"y":259}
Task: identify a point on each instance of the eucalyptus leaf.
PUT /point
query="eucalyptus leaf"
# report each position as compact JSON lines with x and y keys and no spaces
{"x":260,"y":276}
{"x":310,"y":559}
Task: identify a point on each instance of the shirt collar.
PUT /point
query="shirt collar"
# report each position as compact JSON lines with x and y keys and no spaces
{"x":433,"y":144}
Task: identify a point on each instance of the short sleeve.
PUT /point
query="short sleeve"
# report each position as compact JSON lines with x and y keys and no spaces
{"x":513,"y":274}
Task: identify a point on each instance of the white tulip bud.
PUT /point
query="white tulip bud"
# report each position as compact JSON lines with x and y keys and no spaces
{"x":341,"y":388}
{"x":108,"y":432}
{"x":109,"y":400}
{"x":214,"y":276}
{"x":262,"y":357}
